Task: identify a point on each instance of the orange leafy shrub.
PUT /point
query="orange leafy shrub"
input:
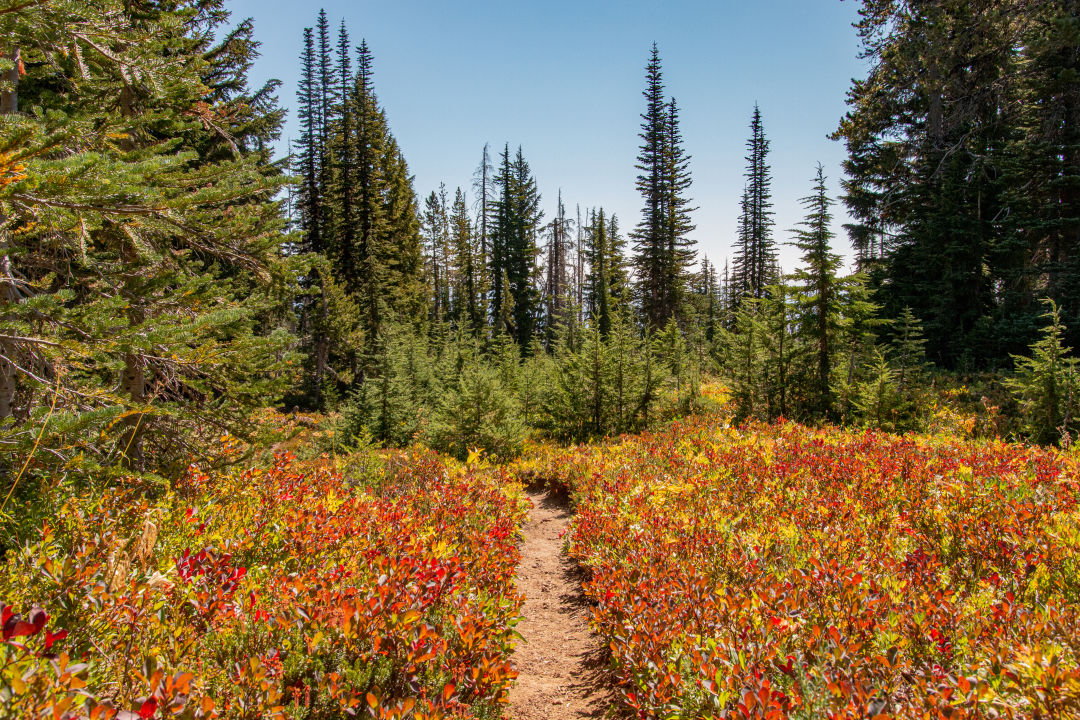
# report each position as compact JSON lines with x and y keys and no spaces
{"x":269,"y":594}
{"x":782,"y":572}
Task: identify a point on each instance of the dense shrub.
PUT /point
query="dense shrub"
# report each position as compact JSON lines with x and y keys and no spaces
{"x":780,"y":571}
{"x":268,"y":593}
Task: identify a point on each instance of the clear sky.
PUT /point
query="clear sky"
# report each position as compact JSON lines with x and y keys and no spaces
{"x":564,"y":78}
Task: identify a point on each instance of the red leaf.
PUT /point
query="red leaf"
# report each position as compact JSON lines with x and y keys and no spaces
{"x":17,"y":627}
{"x":38,"y":617}
{"x":51,"y":637}
{"x":148,"y":707}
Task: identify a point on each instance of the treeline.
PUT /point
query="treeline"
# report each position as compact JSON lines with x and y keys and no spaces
{"x":464,"y":318}
{"x":482,"y":263}
{"x":963,"y":174}
{"x":565,"y":326}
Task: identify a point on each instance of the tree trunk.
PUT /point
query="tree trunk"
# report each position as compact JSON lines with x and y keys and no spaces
{"x":133,"y":384}
{"x":9,"y":99}
{"x":9,"y":104}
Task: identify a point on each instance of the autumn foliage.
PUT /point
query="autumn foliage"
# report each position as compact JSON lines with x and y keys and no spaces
{"x":781,"y":571}
{"x":269,"y":594}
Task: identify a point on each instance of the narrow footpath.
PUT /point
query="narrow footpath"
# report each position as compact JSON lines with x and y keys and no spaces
{"x":561,"y":671}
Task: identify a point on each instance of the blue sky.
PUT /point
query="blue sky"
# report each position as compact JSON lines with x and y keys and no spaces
{"x":564,"y":80}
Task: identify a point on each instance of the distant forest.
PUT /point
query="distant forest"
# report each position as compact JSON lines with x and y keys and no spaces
{"x":163,"y":275}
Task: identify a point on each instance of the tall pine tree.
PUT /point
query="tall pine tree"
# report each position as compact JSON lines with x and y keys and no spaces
{"x":755,"y":253}
{"x":662,"y":248}
{"x":514,"y":251}
{"x":817,"y":298}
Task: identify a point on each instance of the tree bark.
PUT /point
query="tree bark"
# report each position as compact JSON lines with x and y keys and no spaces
{"x":8,"y":296}
{"x":9,"y":99}
{"x":9,"y":104}
{"x":133,"y":384}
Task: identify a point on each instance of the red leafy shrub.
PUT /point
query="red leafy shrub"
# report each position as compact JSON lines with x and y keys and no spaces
{"x":780,"y":571}
{"x":269,"y":593}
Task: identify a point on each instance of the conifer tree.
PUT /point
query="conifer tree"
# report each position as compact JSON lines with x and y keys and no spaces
{"x":755,"y":253}
{"x":618,"y":280}
{"x":370,"y":185}
{"x":309,"y":201}
{"x":517,"y":219}
{"x":598,"y":291}
{"x":626,"y":374}
{"x":858,"y":343}
{"x":579,"y":267}
{"x":928,"y":135}
{"x":483,"y":179}
{"x":501,"y":224}
{"x":479,"y":412}
{"x":399,"y":250}
{"x":135,"y":253}
{"x":877,"y":400}
{"x":344,"y":147}
{"x":468,"y":310}
{"x":649,"y":236}
{"x":1047,"y":383}
{"x":679,"y":252}
{"x":358,"y":212}
{"x":312,"y":301}
{"x":662,"y":250}
{"x":436,"y":230}
{"x":1044,"y":175}
{"x":556,"y":284}
{"x":779,"y":349}
{"x":743,"y":358}
{"x":327,"y":97}
{"x":817,"y":296}
{"x":908,"y":355}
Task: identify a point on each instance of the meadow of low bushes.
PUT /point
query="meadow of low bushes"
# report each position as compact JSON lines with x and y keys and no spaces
{"x":274,"y":592}
{"x":779,"y":571}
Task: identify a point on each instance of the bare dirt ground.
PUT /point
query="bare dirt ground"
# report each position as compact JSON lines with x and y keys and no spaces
{"x":561,"y":670}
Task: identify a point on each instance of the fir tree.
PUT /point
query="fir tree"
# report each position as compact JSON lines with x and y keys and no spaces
{"x":909,"y":351}
{"x":908,"y":356}
{"x":483,"y":180}
{"x":517,"y":219}
{"x":649,"y":236}
{"x":143,"y":318}
{"x":309,"y":201}
{"x":1047,"y":383}
{"x":779,"y":349}
{"x":756,"y":252}
{"x":344,"y":147}
{"x":662,"y":250}
{"x":436,"y":230}
{"x":743,"y":358}
{"x":501,"y":224}
{"x":556,"y":285}
{"x":817,"y":297}
{"x":1046,"y":171}
{"x":370,"y":184}
{"x":679,"y":252}
{"x":618,"y":272}
{"x":399,"y":251}
{"x":467,"y":306}
{"x":598,"y":290}
{"x":928,"y":136}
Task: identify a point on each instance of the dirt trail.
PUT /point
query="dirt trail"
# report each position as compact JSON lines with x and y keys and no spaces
{"x":561,"y":672}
